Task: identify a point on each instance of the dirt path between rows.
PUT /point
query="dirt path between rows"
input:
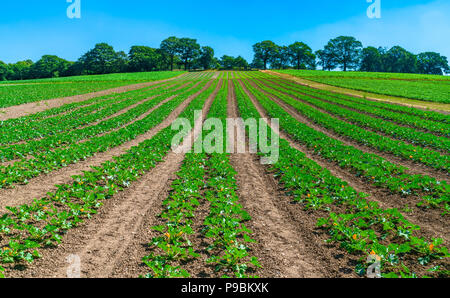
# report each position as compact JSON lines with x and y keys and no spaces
{"x":279,"y":249}
{"x":113,"y":243}
{"x":39,"y":186}
{"x":418,"y":104}
{"x":430,"y":220}
{"x":35,"y":107}
{"x":413,"y":168}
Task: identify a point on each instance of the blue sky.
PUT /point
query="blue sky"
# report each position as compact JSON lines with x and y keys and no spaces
{"x":32,"y":28}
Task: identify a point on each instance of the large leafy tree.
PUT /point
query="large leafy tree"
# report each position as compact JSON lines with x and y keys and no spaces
{"x":280,"y":59}
{"x":227,"y":62}
{"x":102,"y":59}
{"x":327,"y":58}
{"x":265,"y":51}
{"x":301,"y":55}
{"x":347,"y":51}
{"x":4,"y":70}
{"x":20,"y":70}
{"x":170,"y":47}
{"x":399,"y":60}
{"x":142,"y":58}
{"x":432,"y":63}
{"x":371,"y":60}
{"x":188,"y":49}
{"x":241,"y":63}
{"x":206,"y":59}
{"x":49,"y":66}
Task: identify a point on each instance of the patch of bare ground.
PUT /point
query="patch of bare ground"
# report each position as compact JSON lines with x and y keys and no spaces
{"x":35,"y":107}
{"x":113,"y":242}
{"x":412,"y":168}
{"x":41,"y":185}
{"x":393,"y":121}
{"x":432,"y":223}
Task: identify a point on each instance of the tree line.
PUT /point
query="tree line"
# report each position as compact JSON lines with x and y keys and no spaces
{"x":343,"y":52}
{"x":347,"y":53}
{"x":174,"y":52}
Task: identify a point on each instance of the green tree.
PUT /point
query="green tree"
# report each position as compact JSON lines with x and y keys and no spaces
{"x":170,"y":47}
{"x":432,"y":63}
{"x":142,"y":58}
{"x":327,"y":58}
{"x":49,"y":66}
{"x":122,"y":62}
{"x":241,"y":63}
{"x":257,"y":63}
{"x":371,"y":60}
{"x":227,"y":62}
{"x":265,"y":51}
{"x":399,"y":60}
{"x":189,"y":50}
{"x":280,"y":59}
{"x":20,"y":70}
{"x":4,"y":70}
{"x":347,"y":51}
{"x":301,"y":55}
{"x":206,"y":59}
{"x":102,"y":59}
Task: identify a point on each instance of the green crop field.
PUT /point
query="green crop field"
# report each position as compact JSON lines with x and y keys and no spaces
{"x":415,"y":86}
{"x":362,"y":179}
{"x":20,"y":92}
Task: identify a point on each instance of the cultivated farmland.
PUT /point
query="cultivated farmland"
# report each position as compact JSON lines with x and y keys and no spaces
{"x":357,"y":182}
{"x":432,"y":88}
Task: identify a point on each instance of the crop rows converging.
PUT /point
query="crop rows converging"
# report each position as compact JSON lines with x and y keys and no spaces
{"x":356,"y":184}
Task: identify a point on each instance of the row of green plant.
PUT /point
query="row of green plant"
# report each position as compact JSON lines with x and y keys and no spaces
{"x":80,"y":117}
{"x":428,"y":115}
{"x":441,"y":128}
{"x":432,"y":90}
{"x":203,"y":178}
{"x":225,"y":224}
{"x":358,"y":225}
{"x":50,"y":143}
{"x":407,"y":134}
{"x":421,"y":155}
{"x":372,"y":168}
{"x":22,"y":171}
{"x":26,"y":229}
{"x":25,"y":92}
{"x":424,"y":114}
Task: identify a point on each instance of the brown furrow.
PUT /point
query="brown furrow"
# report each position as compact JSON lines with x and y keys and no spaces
{"x":280,"y":247}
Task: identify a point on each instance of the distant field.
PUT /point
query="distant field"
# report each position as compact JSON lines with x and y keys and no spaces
{"x":423,"y":87}
{"x":20,"y":92}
